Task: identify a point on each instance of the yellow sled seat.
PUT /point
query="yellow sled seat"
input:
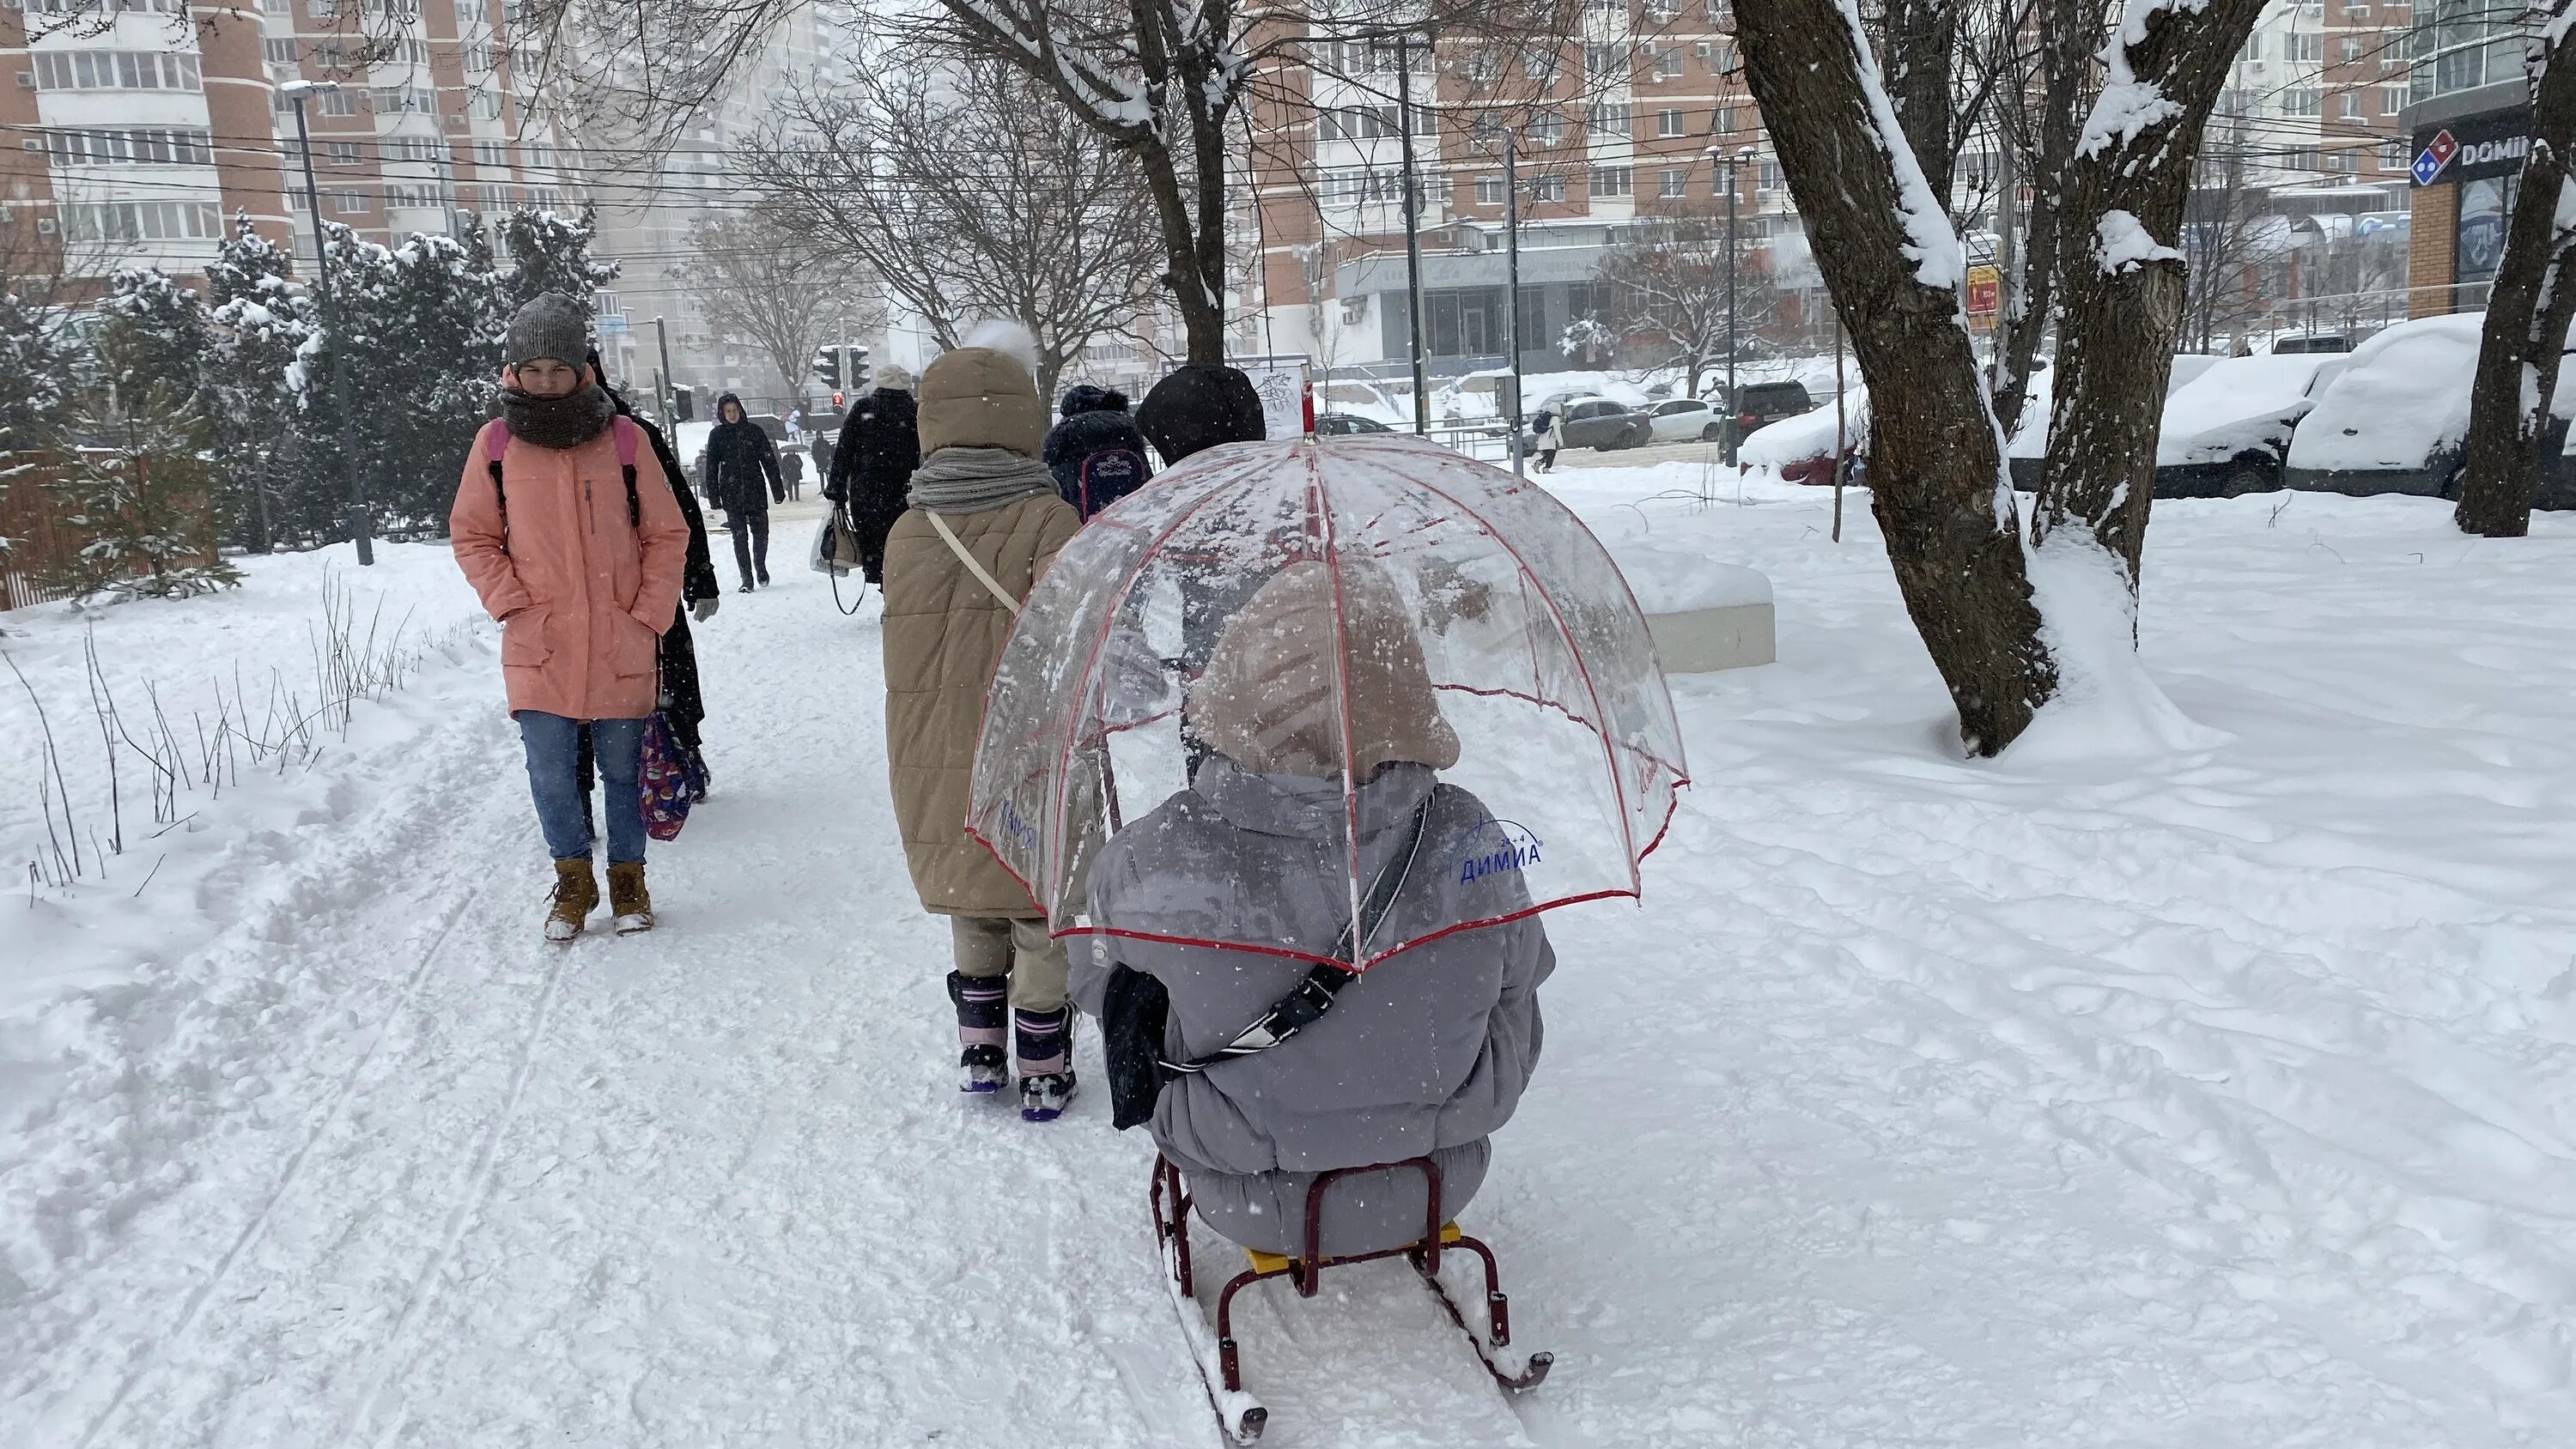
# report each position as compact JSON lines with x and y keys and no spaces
{"x":1268,"y":1263}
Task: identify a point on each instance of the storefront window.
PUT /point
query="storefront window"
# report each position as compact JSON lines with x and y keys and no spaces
{"x":2483,"y":208}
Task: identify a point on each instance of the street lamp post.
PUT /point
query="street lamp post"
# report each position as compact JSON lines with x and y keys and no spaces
{"x":1735,"y":410}
{"x":360,"y":531}
{"x":1512,"y":281}
{"x":1412,"y":233}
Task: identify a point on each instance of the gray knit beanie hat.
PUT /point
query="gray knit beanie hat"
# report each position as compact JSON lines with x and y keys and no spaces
{"x":552,"y":325}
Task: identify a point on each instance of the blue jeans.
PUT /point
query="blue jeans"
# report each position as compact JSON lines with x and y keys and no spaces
{"x":554,"y":779}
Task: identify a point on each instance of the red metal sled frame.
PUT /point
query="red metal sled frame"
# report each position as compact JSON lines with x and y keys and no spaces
{"x":1171,"y":1207}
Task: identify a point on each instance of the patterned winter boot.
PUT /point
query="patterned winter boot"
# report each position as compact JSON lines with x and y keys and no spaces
{"x":981,"y":1017}
{"x":628,"y":901}
{"x":576,"y":896}
{"x":1044,"y":1046}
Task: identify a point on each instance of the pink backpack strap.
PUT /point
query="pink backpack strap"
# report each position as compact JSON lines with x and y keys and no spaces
{"x":630,"y":439}
{"x":496,"y":440}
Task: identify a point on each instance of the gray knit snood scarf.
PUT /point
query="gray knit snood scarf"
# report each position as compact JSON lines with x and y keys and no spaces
{"x":972,"y":480}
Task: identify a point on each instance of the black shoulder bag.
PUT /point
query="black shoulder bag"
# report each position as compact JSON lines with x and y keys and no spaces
{"x":1135,"y":1008}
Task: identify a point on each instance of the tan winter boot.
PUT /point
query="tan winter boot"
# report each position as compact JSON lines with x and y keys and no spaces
{"x":576,"y":895}
{"x":628,"y":901}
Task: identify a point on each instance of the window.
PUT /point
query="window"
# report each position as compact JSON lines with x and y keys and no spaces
{"x":394,"y":100}
{"x":2309,"y":48}
{"x":2351,"y":48}
{"x":1605,"y":61}
{"x":191,"y":146}
{"x":1483,"y":65}
{"x":1668,"y":123}
{"x":476,"y":58}
{"x":1609,"y":118}
{"x":491,"y":153}
{"x":347,"y":203}
{"x":144,"y":220}
{"x":2392,"y":99}
{"x":2302,"y":102}
{"x":417,"y":197}
{"x":481,"y":105}
{"x":1675,"y":180}
{"x":1668,"y":62}
{"x":2345,"y":162}
{"x":2392,"y":155}
{"x":1547,"y":186}
{"x":278,"y":51}
{"x":1610,"y":181}
{"x":1768,"y":178}
{"x":1720,"y":55}
{"x":344,"y":153}
{"x":116,"y":70}
{"x":1489,"y":190}
{"x":1721,"y":122}
{"x":1546,"y":129}
{"x":1355,"y":123}
{"x":427,"y":150}
{"x":342,"y":102}
{"x":1539,"y":65}
{"x":2253,"y":46}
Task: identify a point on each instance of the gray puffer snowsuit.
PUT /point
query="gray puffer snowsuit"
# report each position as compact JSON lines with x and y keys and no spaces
{"x":1425,"y":1054}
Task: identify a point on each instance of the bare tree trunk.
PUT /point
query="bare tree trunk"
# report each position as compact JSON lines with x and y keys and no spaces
{"x":2122,"y":279}
{"x":1922,"y":41}
{"x":1936,"y":470}
{"x":2528,"y":311}
{"x":2071,"y":34}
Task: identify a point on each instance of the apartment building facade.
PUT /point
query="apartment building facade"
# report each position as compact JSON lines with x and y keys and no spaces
{"x":2468,"y":132}
{"x":145,"y":126}
{"x":1608,"y":125}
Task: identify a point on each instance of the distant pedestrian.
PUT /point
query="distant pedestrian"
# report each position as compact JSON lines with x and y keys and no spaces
{"x":1551,"y":438}
{"x":570,"y":533}
{"x":982,"y":522}
{"x":872,"y":465}
{"x":791,"y":468}
{"x":821,"y":448}
{"x":795,"y":424}
{"x":1096,"y":453}
{"x":742,"y":474}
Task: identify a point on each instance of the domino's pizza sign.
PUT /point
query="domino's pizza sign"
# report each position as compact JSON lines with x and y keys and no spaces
{"x":2437,"y":154}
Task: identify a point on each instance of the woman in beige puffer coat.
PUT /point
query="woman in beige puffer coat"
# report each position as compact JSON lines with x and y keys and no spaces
{"x":981,"y":494}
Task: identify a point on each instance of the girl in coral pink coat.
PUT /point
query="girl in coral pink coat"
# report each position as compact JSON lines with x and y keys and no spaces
{"x":583,"y":572}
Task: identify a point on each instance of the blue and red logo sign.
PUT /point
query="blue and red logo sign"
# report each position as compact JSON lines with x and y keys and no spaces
{"x":2437,"y":153}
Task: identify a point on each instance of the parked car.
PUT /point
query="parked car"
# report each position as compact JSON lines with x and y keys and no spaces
{"x":1801,"y":449}
{"x":1760,"y":404}
{"x":2305,"y":343}
{"x":1684,"y":419}
{"x":2225,"y":433}
{"x":2395,"y":420}
{"x":1605,"y":425}
{"x":1342,"y":425}
{"x":1351,"y":397}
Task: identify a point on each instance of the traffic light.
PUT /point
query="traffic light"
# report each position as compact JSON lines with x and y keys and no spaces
{"x":827,"y":366}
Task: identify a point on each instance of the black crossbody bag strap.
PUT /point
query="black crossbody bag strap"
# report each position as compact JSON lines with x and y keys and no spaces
{"x":1304,"y":1006}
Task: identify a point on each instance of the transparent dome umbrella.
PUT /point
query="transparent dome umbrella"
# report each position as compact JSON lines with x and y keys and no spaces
{"x":1315,"y":612}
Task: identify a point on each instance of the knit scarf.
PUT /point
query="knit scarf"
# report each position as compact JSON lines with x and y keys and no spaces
{"x":973,"y":480}
{"x":558,"y":422}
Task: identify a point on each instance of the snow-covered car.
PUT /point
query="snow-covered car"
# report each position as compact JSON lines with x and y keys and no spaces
{"x":2225,"y":432}
{"x":1801,"y":449}
{"x":2395,"y":420}
{"x":1355,"y":398}
{"x":1685,"y":419}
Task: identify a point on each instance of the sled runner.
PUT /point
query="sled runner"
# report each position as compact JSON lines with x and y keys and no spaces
{"x":1243,"y":1416}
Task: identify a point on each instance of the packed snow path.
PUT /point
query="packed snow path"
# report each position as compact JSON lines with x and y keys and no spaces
{"x":2210,"y":1102}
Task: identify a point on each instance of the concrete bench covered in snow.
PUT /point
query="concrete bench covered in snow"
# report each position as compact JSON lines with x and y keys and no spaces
{"x":1704,"y":615}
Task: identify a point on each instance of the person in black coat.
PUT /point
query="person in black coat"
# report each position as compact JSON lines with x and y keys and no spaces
{"x":1096,"y":421}
{"x":683,"y":702}
{"x":742,"y":479}
{"x":872,"y":465}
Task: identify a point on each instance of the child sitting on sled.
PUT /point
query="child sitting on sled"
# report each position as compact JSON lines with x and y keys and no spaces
{"x":1426,"y":1053}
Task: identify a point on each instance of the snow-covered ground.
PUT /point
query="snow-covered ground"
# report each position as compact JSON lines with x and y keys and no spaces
{"x":2221,"y":1099}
